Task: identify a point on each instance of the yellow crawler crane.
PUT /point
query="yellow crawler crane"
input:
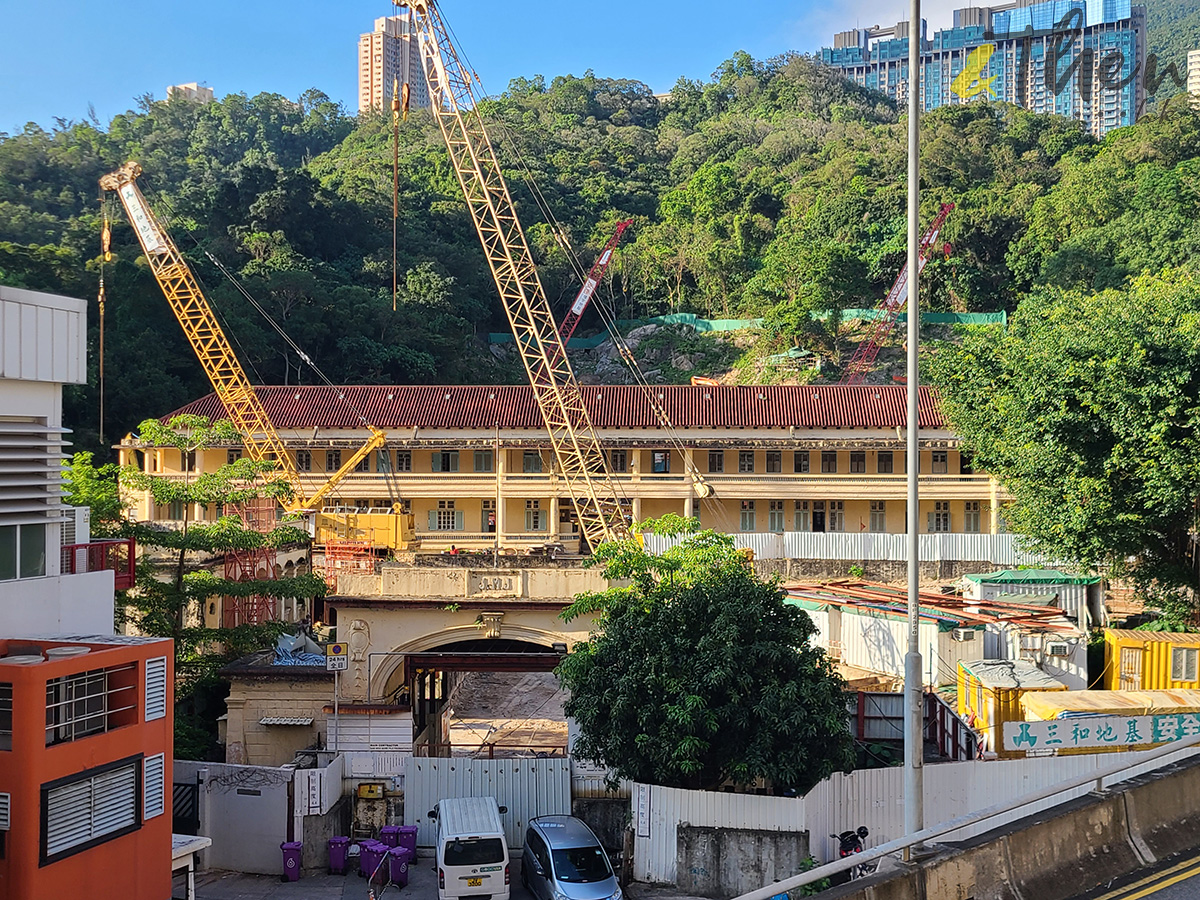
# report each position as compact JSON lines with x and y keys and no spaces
{"x":229,"y":381}
{"x":576,"y":446}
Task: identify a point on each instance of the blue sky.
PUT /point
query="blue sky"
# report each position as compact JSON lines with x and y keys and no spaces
{"x":60,"y":57}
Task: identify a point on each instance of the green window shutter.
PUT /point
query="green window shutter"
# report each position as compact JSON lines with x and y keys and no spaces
{"x":433,"y":520}
{"x":458,"y":520}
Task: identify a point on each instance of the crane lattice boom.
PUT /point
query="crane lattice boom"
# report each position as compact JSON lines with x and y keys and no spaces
{"x":208,"y":340}
{"x":889,"y":308}
{"x":576,"y":446}
{"x":571,"y":319}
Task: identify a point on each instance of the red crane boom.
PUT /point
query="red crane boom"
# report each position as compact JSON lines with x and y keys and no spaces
{"x":889,"y":308}
{"x":567,"y":328}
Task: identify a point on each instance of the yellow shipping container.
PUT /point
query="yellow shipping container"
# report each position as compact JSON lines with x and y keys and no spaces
{"x":1151,"y":660}
{"x":990,"y":692}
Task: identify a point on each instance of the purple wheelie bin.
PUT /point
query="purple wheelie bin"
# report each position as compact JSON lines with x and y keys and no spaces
{"x":291,"y":859}
{"x":371,"y":854}
{"x":390,"y":835}
{"x":408,"y":838}
{"x":398,"y":860}
{"x":338,"y":848}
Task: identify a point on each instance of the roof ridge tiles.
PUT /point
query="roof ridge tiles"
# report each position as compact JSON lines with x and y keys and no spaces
{"x":610,"y":406}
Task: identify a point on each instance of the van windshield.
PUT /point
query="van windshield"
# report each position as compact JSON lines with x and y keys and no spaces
{"x":581,"y":865}
{"x":477,"y":852}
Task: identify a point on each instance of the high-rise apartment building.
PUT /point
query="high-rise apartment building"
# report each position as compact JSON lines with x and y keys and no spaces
{"x":386,"y":56}
{"x":1083,"y":59}
{"x":193,"y":91}
{"x":1193,"y":76}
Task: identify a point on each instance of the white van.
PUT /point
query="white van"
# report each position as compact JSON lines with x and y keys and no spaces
{"x":472,"y":855}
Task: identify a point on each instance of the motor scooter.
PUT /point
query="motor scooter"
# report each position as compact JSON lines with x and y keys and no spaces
{"x":850,"y":843}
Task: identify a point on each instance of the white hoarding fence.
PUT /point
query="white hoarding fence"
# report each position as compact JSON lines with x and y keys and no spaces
{"x":870,"y":797}
{"x":996,"y":549}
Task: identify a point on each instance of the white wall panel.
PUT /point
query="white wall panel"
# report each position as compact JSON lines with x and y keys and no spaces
{"x":43,"y":337}
{"x":528,"y":787}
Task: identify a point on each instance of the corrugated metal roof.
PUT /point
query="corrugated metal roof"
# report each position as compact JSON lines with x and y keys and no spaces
{"x":1011,"y":674}
{"x":1167,"y":637}
{"x":1030,"y":576}
{"x":612,"y":406}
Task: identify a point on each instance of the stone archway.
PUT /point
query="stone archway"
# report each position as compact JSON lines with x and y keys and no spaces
{"x":388,"y":675}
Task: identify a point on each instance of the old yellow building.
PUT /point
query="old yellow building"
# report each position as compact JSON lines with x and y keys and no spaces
{"x":475,"y":467}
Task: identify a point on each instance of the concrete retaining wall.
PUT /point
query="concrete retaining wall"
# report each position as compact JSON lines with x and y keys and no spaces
{"x":606,"y":817}
{"x":1058,"y":853}
{"x":726,"y":862}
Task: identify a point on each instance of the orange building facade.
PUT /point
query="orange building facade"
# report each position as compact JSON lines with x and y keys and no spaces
{"x":86,"y":730}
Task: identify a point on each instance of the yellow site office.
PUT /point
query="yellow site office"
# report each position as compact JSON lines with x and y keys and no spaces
{"x":1151,"y":660}
{"x":990,"y":692}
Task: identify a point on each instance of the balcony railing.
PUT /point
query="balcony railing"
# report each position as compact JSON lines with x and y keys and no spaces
{"x":99,"y":556}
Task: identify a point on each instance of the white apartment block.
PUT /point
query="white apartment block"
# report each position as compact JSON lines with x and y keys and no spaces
{"x":389,"y":55}
{"x":192,"y":91}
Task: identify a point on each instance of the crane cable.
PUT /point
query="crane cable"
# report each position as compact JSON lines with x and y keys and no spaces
{"x":626,"y":353}
{"x":105,"y":256}
{"x":162,"y":199}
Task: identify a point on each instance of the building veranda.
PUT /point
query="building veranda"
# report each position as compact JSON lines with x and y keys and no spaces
{"x":476,"y":469}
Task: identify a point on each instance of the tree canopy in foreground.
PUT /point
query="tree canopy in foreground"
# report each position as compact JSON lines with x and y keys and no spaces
{"x":1087,"y":409}
{"x":699,"y":672}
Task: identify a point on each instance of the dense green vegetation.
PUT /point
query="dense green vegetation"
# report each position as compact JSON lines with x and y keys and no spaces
{"x":1088,"y":410}
{"x":775,"y":189}
{"x":698,"y":673}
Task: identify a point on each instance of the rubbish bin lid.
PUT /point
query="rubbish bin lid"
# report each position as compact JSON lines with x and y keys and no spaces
{"x":291,"y":845}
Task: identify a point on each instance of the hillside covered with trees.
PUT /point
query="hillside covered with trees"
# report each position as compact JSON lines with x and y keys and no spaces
{"x":774,"y":190}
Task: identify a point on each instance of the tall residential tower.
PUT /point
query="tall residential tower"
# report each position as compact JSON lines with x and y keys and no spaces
{"x":388,"y":55}
{"x":1083,"y":59}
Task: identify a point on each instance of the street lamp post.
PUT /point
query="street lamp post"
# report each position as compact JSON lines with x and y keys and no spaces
{"x":914,"y":811}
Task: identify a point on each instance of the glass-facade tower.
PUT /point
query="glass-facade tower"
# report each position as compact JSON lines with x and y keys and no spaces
{"x":1083,"y":59}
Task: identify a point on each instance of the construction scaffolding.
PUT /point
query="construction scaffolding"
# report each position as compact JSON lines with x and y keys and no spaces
{"x":347,"y":558}
{"x":259,"y":564}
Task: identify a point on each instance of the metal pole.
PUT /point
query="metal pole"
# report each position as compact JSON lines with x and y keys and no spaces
{"x":914,"y":750}
{"x":335,"y":709}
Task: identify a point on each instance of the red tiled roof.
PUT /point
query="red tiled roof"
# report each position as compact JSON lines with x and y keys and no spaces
{"x":611,"y":406}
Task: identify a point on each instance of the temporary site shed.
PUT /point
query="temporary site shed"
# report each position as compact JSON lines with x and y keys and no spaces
{"x":1151,"y":660}
{"x":990,"y":692}
{"x":1081,"y":597}
{"x":1029,"y":627}
{"x":869,"y":630}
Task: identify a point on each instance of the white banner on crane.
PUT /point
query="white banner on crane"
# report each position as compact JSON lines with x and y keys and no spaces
{"x":138,"y":214}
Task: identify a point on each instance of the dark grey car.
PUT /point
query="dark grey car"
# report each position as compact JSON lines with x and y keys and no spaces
{"x":563,"y":860}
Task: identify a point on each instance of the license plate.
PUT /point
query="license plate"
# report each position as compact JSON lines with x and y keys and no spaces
{"x":474,"y":882}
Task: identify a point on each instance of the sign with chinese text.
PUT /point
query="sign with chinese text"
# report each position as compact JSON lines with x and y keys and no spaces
{"x":1095,"y":732}
{"x":336,"y":658}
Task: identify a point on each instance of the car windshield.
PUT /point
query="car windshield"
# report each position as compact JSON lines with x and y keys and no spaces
{"x":581,"y":865}
{"x":477,"y":852}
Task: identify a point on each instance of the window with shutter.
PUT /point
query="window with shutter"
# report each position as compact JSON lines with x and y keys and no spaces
{"x":156,"y":688}
{"x":96,"y":806}
{"x":5,"y":812}
{"x":154,"y":786}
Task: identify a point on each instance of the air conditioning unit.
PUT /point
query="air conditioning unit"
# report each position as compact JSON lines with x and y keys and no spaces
{"x":77,"y":525}
{"x":962,"y":634}
{"x":1058,"y":648}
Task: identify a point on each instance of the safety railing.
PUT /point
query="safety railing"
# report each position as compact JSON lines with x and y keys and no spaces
{"x":907,"y":843}
{"x":99,"y":556}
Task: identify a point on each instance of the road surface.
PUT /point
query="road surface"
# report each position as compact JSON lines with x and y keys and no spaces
{"x":1176,"y":879}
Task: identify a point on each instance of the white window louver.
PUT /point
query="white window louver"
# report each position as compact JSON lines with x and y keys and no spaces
{"x":156,"y":688}
{"x":5,"y":812}
{"x":87,"y":810}
{"x":30,"y":472}
{"x":154,"y":786}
